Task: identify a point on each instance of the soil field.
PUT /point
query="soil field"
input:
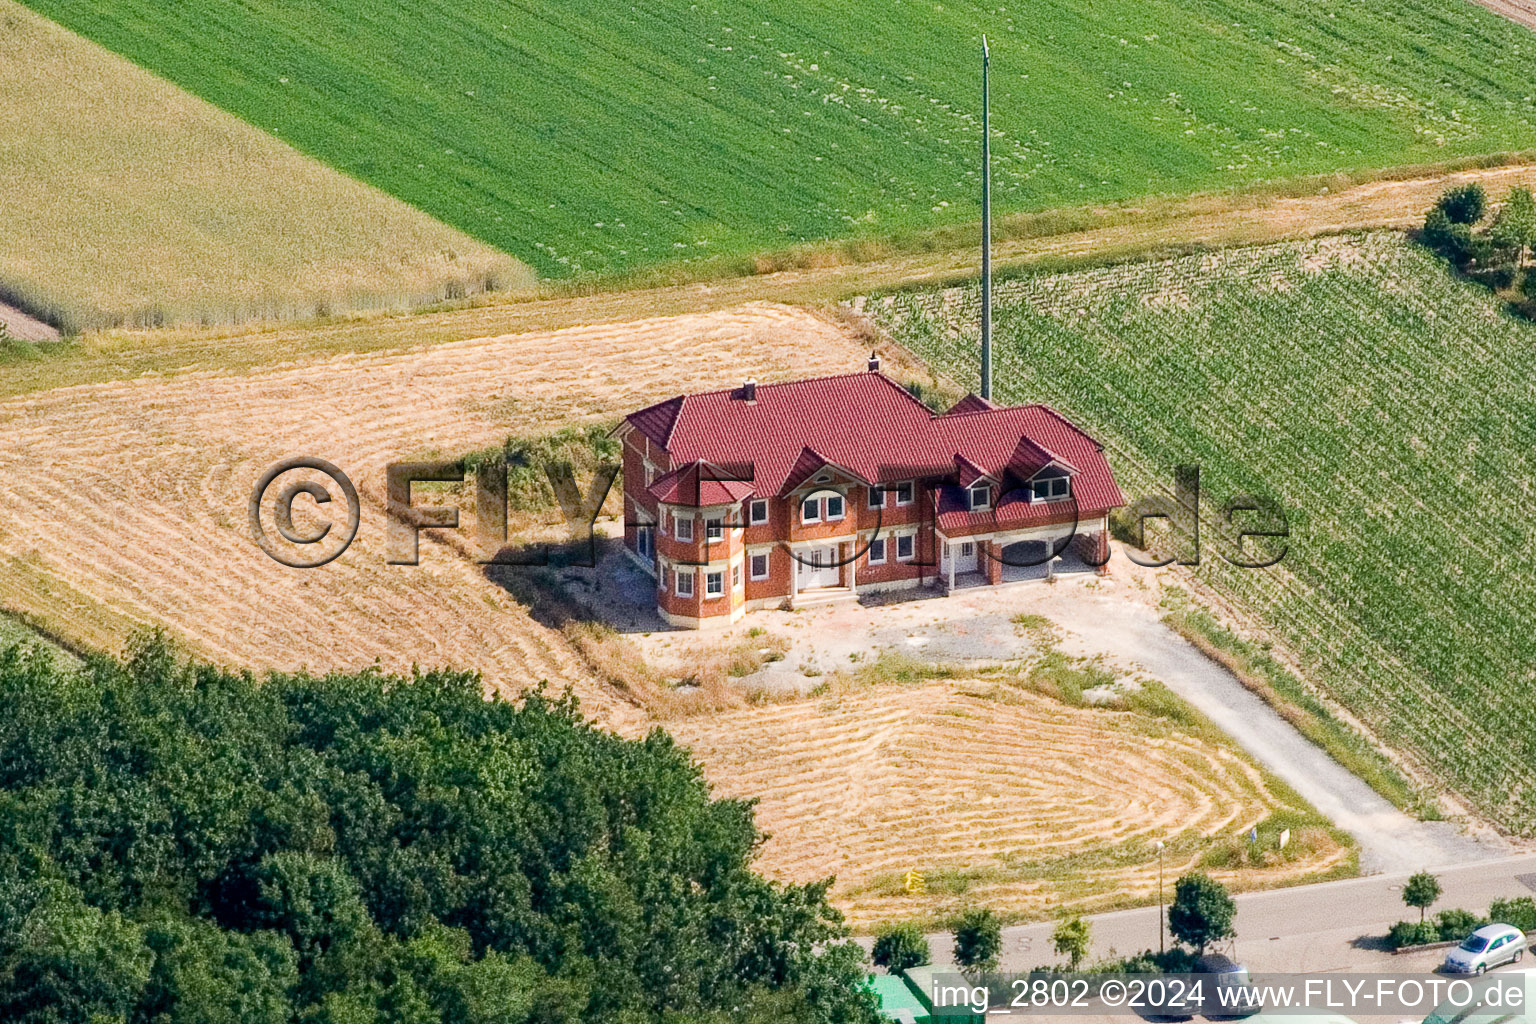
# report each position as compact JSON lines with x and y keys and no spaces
{"x":816,"y":277}
{"x":126,"y":200}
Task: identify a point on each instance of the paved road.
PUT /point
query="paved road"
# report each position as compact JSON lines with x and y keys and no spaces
{"x":1104,"y":622}
{"x":1331,"y":926}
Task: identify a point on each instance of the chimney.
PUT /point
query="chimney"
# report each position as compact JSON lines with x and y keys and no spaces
{"x":749,"y":391}
{"x":874,"y":362}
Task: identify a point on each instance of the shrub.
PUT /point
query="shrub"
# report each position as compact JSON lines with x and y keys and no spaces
{"x":1411,"y":933}
{"x":1519,"y":912}
{"x":978,"y":940}
{"x":1463,"y":204}
{"x":900,"y":946}
{"x":1515,"y":226}
{"x":1456,"y":924}
{"x":1449,"y":239}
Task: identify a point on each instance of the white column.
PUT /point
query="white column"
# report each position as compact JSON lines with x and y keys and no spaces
{"x":949,"y":550}
{"x":794,"y":576}
{"x":853,"y":558}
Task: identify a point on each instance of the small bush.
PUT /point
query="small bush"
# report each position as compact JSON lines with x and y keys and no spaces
{"x":1463,"y":204}
{"x":900,"y":946}
{"x":1518,"y":913}
{"x":1456,"y":924}
{"x":1452,"y":240}
{"x":1411,"y":933}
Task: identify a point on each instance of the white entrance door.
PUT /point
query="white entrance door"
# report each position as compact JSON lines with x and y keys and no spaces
{"x":965,"y":556}
{"x":817,"y":567}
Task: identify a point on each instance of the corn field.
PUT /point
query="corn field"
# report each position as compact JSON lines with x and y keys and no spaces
{"x":1388,"y":406}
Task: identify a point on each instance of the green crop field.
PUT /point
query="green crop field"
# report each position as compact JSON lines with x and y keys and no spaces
{"x":1389,"y":406}
{"x":595,"y":137}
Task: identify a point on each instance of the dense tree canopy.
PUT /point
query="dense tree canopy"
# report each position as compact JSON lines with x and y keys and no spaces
{"x":179,"y":843}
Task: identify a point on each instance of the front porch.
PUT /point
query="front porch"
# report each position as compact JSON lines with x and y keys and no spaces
{"x":1019,"y":557}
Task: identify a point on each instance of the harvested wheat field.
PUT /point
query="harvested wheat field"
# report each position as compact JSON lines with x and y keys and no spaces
{"x":997,"y":796}
{"x":128,"y":200}
{"x":124,"y":504}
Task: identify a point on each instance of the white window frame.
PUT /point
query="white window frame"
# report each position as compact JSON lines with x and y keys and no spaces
{"x":967,"y":548}
{"x":645,"y":542}
{"x":816,"y":504}
{"x":678,"y":524}
{"x":826,"y":508}
{"x":905,"y":487}
{"x":677,"y":582}
{"x":767,"y":565}
{"x":983,"y":490}
{"x":877,"y":544}
{"x":911,"y":543}
{"x":714,"y":528}
{"x":714,"y":585}
{"x":735,"y":575}
{"x":1064,"y":481}
{"x":752,"y":509}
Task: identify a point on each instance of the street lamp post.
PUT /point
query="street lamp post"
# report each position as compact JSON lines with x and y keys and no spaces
{"x":986,"y":227}
{"x":1161,"y":931}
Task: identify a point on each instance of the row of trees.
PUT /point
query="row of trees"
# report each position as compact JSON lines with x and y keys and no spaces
{"x":179,"y":843}
{"x":1202,"y":913}
{"x":1496,"y":249}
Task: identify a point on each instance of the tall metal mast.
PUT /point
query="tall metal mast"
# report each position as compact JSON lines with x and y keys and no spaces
{"x":986,"y":231}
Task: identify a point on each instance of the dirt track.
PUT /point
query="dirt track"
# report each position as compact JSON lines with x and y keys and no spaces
{"x":1521,"y":11}
{"x":1199,"y":220}
{"x":25,"y":327}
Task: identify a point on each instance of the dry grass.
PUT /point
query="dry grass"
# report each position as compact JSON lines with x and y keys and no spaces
{"x":128,"y":201}
{"x":997,"y":795}
{"x":124,"y":503}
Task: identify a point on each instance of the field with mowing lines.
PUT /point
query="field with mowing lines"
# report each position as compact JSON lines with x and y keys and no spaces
{"x":127,"y":200}
{"x":124,"y":504}
{"x":1387,"y":405}
{"x":997,"y":796}
{"x":589,"y":138}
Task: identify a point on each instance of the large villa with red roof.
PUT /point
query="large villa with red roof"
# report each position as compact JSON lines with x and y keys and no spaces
{"x":821,"y":489}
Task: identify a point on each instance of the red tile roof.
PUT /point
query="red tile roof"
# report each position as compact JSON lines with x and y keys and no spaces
{"x":971,"y":403}
{"x":699,"y":484}
{"x":952,"y":512}
{"x":872,"y":426}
